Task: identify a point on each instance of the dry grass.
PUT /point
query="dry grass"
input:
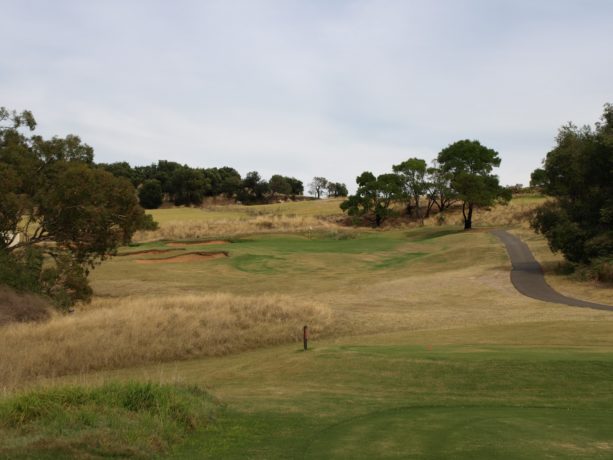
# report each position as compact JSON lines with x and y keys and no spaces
{"x":22,"y":307}
{"x":516,"y":213}
{"x":140,"y":330}
{"x":180,"y":230}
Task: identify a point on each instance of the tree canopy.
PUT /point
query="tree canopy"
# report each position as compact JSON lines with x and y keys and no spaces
{"x":414,"y":184}
{"x":373,"y":197}
{"x":469,"y":165}
{"x":578,"y":173}
{"x":55,"y":204}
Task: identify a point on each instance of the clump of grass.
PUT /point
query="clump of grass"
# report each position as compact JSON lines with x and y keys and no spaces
{"x":22,"y":307}
{"x":140,"y":330}
{"x":137,"y":420}
{"x":268,"y":223}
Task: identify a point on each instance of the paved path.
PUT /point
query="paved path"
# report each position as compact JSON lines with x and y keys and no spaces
{"x":527,"y":275}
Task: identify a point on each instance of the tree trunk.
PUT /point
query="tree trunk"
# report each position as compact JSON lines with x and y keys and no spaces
{"x":409,"y":209}
{"x":468,"y":218}
{"x":377,"y":220}
{"x":429,"y":208}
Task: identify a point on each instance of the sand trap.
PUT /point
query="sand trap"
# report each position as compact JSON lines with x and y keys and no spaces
{"x":147,"y":251}
{"x":182,"y":258}
{"x":196,"y":243}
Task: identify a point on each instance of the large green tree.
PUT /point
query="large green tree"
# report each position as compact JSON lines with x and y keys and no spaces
{"x":279,"y":185}
{"x":578,"y":173}
{"x":55,"y":204}
{"x":373,"y":197}
{"x":413,"y":175}
{"x":469,"y":165}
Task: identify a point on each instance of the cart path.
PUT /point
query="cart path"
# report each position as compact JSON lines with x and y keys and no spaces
{"x":527,"y":275}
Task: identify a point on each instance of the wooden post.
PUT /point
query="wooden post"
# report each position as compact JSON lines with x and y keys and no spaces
{"x":305,"y":336}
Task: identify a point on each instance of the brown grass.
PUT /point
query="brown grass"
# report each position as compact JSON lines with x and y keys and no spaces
{"x":188,"y":257}
{"x":183,"y":230}
{"x":516,"y":213}
{"x":18,"y":307}
{"x":139,"y":330}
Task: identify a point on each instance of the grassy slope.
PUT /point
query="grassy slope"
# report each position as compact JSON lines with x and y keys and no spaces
{"x":511,"y":391}
{"x":137,"y":420}
{"x":301,"y":208}
{"x":439,"y":356}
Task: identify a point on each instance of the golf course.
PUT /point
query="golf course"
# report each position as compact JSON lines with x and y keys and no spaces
{"x":420,"y":346}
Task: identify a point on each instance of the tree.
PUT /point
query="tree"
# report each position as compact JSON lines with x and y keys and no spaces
{"x":230,"y":181}
{"x":412,"y":172}
{"x":296,"y":186}
{"x":123,"y":169}
{"x":54,"y":203}
{"x":253,"y":188}
{"x":538,"y":178}
{"x":578,"y":173}
{"x":373,"y":197}
{"x":188,"y":186}
{"x":439,"y":191}
{"x":150,"y":194}
{"x":470,"y":165}
{"x":337,"y":189}
{"x":279,"y":185}
{"x":317,"y":186}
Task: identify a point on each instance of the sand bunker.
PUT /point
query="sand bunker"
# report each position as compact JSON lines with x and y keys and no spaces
{"x":147,"y":251}
{"x":196,"y":243}
{"x":182,"y":258}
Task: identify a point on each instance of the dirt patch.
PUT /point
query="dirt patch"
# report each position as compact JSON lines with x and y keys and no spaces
{"x":196,"y":243}
{"x":182,"y":258}
{"x":147,"y":251}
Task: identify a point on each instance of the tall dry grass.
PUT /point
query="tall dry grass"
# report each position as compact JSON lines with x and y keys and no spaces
{"x":132,"y":331}
{"x":232,"y":227}
{"x":516,"y":213}
{"x":22,"y":307}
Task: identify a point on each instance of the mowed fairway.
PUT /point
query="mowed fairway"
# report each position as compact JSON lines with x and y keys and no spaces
{"x":433,"y":354}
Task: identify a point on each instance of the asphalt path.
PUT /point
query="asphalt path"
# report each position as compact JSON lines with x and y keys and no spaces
{"x":527,"y":275}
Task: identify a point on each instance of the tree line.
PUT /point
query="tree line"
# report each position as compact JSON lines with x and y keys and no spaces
{"x":462,"y":173}
{"x":183,"y":185}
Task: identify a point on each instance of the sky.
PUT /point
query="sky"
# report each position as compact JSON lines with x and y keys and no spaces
{"x":308,"y":88}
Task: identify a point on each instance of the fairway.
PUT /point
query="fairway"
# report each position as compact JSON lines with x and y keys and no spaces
{"x":467,"y":432}
{"x":422,"y":347}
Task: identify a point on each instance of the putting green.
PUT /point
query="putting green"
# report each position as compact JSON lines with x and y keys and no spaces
{"x":469,"y":433}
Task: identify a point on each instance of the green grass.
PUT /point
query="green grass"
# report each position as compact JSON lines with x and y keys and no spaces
{"x":137,"y":420}
{"x":411,"y":400}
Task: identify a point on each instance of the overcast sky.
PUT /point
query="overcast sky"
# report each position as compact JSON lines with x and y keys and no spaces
{"x":311,"y":87}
